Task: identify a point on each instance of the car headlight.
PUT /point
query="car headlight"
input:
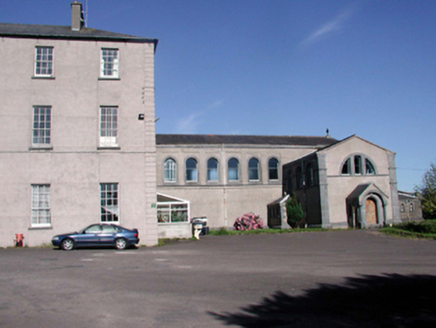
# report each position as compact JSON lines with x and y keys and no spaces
{"x":55,"y":238}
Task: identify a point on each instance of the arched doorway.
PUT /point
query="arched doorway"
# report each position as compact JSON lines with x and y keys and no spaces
{"x":371,"y":211}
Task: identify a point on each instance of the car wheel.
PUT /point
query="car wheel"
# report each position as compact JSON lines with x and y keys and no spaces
{"x":120,"y":244}
{"x":67,"y":244}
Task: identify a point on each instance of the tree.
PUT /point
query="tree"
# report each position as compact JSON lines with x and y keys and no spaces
{"x":427,"y":193}
{"x":294,"y":211}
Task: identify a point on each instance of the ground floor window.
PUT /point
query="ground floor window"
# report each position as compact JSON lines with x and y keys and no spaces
{"x":109,"y":202}
{"x":172,"y":210}
{"x":41,"y":216}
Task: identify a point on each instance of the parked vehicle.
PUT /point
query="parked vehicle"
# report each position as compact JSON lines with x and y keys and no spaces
{"x":98,"y":235}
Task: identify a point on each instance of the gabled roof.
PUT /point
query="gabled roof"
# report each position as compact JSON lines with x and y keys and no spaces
{"x":65,"y":32}
{"x":364,"y":188}
{"x":354,"y":136}
{"x":203,"y":139}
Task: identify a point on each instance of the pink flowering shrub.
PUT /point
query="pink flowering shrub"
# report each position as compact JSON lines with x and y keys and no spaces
{"x":249,"y":221}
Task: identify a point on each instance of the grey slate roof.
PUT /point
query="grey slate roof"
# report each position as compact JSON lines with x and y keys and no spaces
{"x":207,"y":139}
{"x":65,"y":32}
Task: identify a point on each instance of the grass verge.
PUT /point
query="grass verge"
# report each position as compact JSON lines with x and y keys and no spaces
{"x":422,"y":229}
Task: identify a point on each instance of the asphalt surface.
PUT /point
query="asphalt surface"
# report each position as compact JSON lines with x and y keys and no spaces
{"x":330,"y":279}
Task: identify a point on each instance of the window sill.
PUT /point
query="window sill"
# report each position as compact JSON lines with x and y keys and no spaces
{"x":109,"y":78}
{"x":35,"y":77}
{"x":41,"y":228}
{"x":109,"y":148}
{"x":41,"y":148}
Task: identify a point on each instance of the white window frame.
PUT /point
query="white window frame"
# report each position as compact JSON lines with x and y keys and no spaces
{"x":170,"y":170}
{"x":109,"y":63}
{"x":211,"y":169}
{"x":41,"y":126}
{"x":191,"y":171}
{"x":40,"y":206}
{"x":109,"y":203}
{"x":273,"y":168}
{"x":44,"y":61}
{"x":233,"y":170}
{"x":108,"y":126}
{"x":253,"y":169}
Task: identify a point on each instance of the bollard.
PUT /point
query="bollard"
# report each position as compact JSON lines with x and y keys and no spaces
{"x":19,"y":240}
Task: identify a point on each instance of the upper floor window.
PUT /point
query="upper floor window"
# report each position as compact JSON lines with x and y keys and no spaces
{"x":411,"y":207}
{"x":253,"y":169}
{"x":346,"y":167}
{"x":170,"y":169}
{"x":299,"y":177}
{"x":212,"y":169}
{"x":233,"y":169}
{"x":109,"y":63}
{"x":191,"y":169}
{"x":358,"y":165}
{"x":369,"y":168}
{"x":109,"y":202}
{"x":41,"y":129}
{"x":273,"y":169}
{"x":310,"y":178}
{"x":41,"y":216}
{"x":44,"y":61}
{"x":108,"y":126}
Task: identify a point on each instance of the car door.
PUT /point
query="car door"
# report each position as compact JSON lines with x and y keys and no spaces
{"x":89,"y":236}
{"x":107,"y":235}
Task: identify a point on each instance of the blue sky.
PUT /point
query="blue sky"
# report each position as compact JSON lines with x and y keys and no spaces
{"x":283,"y":67}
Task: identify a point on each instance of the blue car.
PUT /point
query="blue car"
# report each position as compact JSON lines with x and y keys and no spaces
{"x":97,"y":235}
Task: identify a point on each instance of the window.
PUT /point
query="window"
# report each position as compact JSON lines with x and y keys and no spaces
{"x":212,"y":169}
{"x":44,"y":61}
{"x":109,"y":63}
{"x":109,"y":202}
{"x":253,"y":169}
{"x":411,"y":207}
{"x":354,"y":165}
{"x":41,"y":130}
{"x":346,"y":167}
{"x":191,"y":170}
{"x":309,"y":175}
{"x":300,"y":179}
{"x":172,"y":213}
{"x":402,"y":208}
{"x":41,"y":216}
{"x":357,"y":165}
{"x":108,"y":126}
{"x":233,"y":169}
{"x":369,"y":168}
{"x":273,"y":169}
{"x":170,"y":167}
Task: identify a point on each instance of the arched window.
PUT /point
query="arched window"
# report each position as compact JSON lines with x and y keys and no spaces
{"x":212,"y":169}
{"x":402,"y":208}
{"x":369,"y":168}
{"x":191,"y":169}
{"x":357,"y":164}
{"x":253,"y":169}
{"x":346,"y":167}
{"x":170,"y":169}
{"x":273,"y":169}
{"x":354,"y":165}
{"x":233,"y":169}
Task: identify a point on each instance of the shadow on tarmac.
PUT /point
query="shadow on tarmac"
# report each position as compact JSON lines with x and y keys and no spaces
{"x":390,"y":300}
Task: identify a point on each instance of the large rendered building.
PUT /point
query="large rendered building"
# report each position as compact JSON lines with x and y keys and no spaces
{"x":77,"y":132}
